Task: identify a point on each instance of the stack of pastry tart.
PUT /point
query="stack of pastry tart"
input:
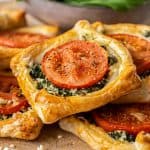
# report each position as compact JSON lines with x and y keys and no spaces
{"x":17,"y":118}
{"x":78,"y":73}
{"x":75,"y":72}
{"x":125,"y":124}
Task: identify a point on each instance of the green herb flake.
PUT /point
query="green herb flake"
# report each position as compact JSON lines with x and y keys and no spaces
{"x":112,"y":60}
{"x":3,"y":117}
{"x":122,"y":136}
{"x":147,"y":34}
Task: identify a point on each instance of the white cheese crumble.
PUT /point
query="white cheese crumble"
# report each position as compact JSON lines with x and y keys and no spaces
{"x":10,"y":147}
{"x":59,"y":136}
{"x":3,"y":101}
{"x":138,"y":116}
{"x":5,"y":148}
{"x":40,"y":147}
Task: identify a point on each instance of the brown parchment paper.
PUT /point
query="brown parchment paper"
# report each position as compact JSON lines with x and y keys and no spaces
{"x":51,"y":138}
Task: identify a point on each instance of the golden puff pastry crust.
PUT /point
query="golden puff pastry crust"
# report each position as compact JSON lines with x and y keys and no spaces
{"x":47,"y":30}
{"x":22,"y":125}
{"x":25,"y":126}
{"x":51,"y":108}
{"x":126,"y":28}
{"x":6,"y":53}
{"x":141,"y":94}
{"x":11,"y":18}
{"x":98,"y":139}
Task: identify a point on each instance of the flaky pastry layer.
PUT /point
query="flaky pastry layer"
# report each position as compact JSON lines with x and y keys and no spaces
{"x":25,"y":126}
{"x":98,"y":139}
{"x":141,"y":94}
{"x":51,"y":108}
{"x":7,"y":53}
{"x":11,"y":18}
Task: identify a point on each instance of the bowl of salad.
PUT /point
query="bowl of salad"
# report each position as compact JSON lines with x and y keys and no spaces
{"x":66,"y":12}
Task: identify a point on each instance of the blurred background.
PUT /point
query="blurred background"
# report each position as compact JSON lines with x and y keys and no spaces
{"x":65,"y":13}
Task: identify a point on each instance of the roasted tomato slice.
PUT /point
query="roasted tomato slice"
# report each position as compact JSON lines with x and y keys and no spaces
{"x":20,"y":40}
{"x":6,"y":82}
{"x":10,"y":101}
{"x":132,"y":118}
{"x":76,"y":64}
{"x":139,"y":48}
{"x":13,"y":103}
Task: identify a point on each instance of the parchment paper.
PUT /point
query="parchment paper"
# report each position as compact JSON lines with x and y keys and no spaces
{"x":51,"y":138}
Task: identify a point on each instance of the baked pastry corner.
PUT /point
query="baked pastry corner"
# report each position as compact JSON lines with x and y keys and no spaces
{"x":11,"y":18}
{"x":51,"y":107}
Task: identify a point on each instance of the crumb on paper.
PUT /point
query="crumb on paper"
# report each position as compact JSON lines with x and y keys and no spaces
{"x":40,"y":147}
{"x":59,"y":136}
{"x":12,"y":146}
{"x":5,"y":148}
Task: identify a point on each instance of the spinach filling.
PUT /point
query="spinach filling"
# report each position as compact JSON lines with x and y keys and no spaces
{"x":23,"y":110}
{"x":147,"y":34}
{"x":112,"y":60}
{"x":3,"y":117}
{"x":42,"y":82}
{"x":117,"y":134}
{"x":122,"y":136}
{"x":145,"y":74}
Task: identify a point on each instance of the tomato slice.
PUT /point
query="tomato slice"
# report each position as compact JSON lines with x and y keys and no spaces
{"x":139,"y":49}
{"x":12,"y":107}
{"x":132,"y":118}
{"x":76,"y":64}
{"x":20,"y":40}
{"x":6,"y":82}
{"x":13,"y":103}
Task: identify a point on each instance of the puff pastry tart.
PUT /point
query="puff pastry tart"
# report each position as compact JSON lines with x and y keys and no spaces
{"x":12,"y":18}
{"x":113,"y":127}
{"x":75,"y":72}
{"x":12,"y":42}
{"x":17,"y":119}
{"x":137,"y":39}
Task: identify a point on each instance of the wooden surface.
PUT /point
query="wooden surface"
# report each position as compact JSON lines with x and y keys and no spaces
{"x":50,"y":139}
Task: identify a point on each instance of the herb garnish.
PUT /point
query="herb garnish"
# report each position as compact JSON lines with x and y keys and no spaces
{"x":147,"y":34}
{"x":120,"y":5}
{"x":122,"y":136}
{"x":112,"y":60}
